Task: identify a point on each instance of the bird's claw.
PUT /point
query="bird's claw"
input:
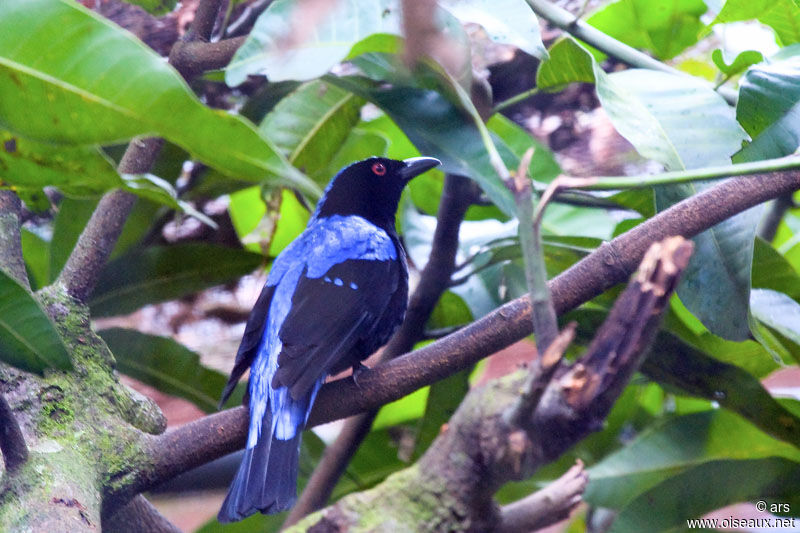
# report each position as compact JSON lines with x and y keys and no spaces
{"x":358,"y":369}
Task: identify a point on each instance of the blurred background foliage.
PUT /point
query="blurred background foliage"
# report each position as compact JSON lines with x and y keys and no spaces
{"x":712,"y":419}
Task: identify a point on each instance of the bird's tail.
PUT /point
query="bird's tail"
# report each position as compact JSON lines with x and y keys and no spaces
{"x":266,"y":480}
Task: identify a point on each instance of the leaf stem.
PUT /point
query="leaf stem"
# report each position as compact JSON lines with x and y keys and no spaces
{"x":569,"y":23}
{"x":607,"y":183}
{"x":517,"y":98}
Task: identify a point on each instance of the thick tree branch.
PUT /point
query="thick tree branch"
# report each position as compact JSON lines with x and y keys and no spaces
{"x":204,"y":19}
{"x":11,"y":260}
{"x":215,"y":435}
{"x":12,"y":443}
{"x":547,"y":506}
{"x":139,"y":515}
{"x":457,"y":195}
{"x":191,"y":58}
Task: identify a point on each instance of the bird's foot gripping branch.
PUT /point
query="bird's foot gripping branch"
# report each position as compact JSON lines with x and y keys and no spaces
{"x":452,"y":485}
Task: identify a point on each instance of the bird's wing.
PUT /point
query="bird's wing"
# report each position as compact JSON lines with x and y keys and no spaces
{"x":329,"y":316}
{"x":250,"y":340}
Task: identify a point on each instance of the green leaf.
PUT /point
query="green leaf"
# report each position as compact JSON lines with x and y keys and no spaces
{"x":71,"y":218}
{"x":693,"y":372}
{"x":768,"y":107}
{"x":543,"y":167}
{"x":505,"y":21}
{"x":82,"y":97}
{"x":247,"y":211}
{"x":76,"y":171}
{"x":168,"y":366}
{"x":738,"y":64}
{"x":282,"y":48}
{"x":772,"y":271}
{"x":435,"y":114}
{"x":710,"y":486}
{"x":683,"y":124}
{"x":310,"y":125}
{"x":568,"y":62}
{"x":28,"y":339}
{"x":443,"y":399}
{"x":156,"y":7}
{"x":292,"y":220}
{"x":676,"y":445}
{"x":783,"y":16}
{"x":777,"y":311}
{"x":36,"y":252}
{"x":407,"y":408}
{"x":663,"y":27}
{"x":162,"y":273}
{"x":358,"y":145}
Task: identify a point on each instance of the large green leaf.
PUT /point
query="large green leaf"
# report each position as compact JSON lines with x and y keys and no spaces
{"x":769,"y":106}
{"x":311,"y":124}
{"x":676,"y":445}
{"x":156,"y":7}
{"x":683,"y":124}
{"x":28,"y":339}
{"x":168,"y":366}
{"x":282,"y":47}
{"x":80,"y":170}
{"x":783,"y":16}
{"x":663,"y":27}
{"x":162,"y":273}
{"x":777,"y":311}
{"x":436,"y":114}
{"x":692,"y":371}
{"x":713,"y":485}
{"x":505,"y":21}
{"x":36,"y":252}
{"x":99,"y":84}
{"x":773,"y":271}
{"x":568,"y":62}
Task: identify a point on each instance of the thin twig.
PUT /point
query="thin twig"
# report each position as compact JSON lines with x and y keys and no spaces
{"x":204,"y":19}
{"x":545,"y":325}
{"x":547,"y":506}
{"x":11,"y":260}
{"x":769,"y":224}
{"x":12,"y":442}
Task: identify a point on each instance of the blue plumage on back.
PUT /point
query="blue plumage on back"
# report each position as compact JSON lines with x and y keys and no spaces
{"x":333,"y":296}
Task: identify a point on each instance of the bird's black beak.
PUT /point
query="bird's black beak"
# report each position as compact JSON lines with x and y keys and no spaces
{"x":415,"y":166}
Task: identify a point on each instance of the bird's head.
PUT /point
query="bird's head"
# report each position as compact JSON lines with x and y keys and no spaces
{"x":371,"y":188}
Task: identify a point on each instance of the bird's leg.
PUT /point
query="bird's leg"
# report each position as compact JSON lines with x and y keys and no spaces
{"x":358,"y":369}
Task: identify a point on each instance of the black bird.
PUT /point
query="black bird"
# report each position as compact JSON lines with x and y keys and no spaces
{"x":333,"y":296}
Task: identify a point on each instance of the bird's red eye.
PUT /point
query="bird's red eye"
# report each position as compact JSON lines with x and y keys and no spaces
{"x":379,"y":169}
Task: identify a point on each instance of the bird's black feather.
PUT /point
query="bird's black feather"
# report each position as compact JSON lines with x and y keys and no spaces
{"x":251,"y":339}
